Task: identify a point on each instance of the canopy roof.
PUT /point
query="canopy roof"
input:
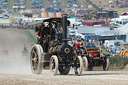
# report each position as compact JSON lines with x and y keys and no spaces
{"x":122,"y":30}
{"x":51,"y":20}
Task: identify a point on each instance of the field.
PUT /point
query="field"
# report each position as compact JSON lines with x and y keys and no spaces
{"x":10,"y":5}
{"x":63,"y":4}
{"x":45,"y":3}
{"x":28,"y":4}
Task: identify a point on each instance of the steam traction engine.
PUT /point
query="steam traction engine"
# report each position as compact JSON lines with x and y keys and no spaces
{"x":60,"y":55}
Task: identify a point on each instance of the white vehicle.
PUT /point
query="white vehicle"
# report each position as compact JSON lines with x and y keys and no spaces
{"x":75,"y":21}
{"x":118,"y":22}
{"x":71,"y":32}
{"x":80,"y":35}
{"x":111,"y":43}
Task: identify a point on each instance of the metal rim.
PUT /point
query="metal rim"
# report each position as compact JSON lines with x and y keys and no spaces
{"x":106,"y":65}
{"x":78,"y":66}
{"x":85,"y":64}
{"x":35,"y":60}
{"x":54,"y":65}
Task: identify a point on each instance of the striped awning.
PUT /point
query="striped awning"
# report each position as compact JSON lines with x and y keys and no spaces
{"x":50,"y":14}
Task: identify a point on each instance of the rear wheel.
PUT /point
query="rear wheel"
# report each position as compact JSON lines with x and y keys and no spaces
{"x":36,"y":59}
{"x":78,"y":66}
{"x":64,"y":70}
{"x":85,"y":63}
{"x":106,"y":65}
{"x":54,"y":65}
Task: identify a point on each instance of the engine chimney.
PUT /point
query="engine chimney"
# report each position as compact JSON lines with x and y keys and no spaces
{"x":64,"y":21}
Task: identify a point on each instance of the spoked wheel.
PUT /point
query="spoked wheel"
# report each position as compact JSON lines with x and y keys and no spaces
{"x":85,"y":63}
{"x":106,"y":65}
{"x":36,"y":59}
{"x":78,"y":66}
{"x":64,"y":70}
{"x":54,"y":65}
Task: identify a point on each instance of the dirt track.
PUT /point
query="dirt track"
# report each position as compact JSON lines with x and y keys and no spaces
{"x":15,"y":69}
{"x":13,"y":40}
{"x":88,"y":78}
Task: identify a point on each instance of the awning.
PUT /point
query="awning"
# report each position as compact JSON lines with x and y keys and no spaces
{"x":50,"y":14}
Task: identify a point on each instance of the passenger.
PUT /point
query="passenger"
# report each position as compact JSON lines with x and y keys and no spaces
{"x":90,"y":44}
{"x":40,"y":31}
{"x":77,"y":44}
{"x":82,"y":43}
{"x":82,"y":46}
{"x":77,"y":48}
{"x":51,"y":32}
{"x":40,"y":35}
{"x":59,"y":28}
{"x":71,"y":43}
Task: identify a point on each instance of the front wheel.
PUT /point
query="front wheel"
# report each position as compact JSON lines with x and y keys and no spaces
{"x":85,"y":63}
{"x":78,"y":66}
{"x":106,"y":65}
{"x":54,"y":65}
{"x":36,"y":59}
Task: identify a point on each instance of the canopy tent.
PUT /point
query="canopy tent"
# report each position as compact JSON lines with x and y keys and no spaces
{"x":122,"y":30}
{"x":108,"y":33}
{"x":50,"y":14}
{"x":92,"y":29}
{"x":51,"y":20}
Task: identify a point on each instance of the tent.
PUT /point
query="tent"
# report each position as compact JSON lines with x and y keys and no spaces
{"x":92,"y":29}
{"x":122,"y":30}
{"x":50,"y":14}
{"x":108,"y":33}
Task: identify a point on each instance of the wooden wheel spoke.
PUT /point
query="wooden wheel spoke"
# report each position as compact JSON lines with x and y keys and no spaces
{"x":35,"y":54}
{"x":32,"y":59}
{"x":35,"y":66}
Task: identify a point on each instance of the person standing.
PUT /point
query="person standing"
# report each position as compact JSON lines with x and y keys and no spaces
{"x":41,"y":34}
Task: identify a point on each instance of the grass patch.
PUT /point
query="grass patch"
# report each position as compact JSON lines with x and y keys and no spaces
{"x":30,"y":36}
{"x":118,"y":62}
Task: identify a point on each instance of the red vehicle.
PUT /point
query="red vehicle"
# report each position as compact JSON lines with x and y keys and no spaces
{"x":94,"y":57}
{"x":92,"y":23}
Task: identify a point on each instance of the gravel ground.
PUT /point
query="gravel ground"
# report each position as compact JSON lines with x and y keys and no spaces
{"x":88,"y":78}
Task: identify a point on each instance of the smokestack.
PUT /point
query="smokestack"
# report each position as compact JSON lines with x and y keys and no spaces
{"x":64,"y":21}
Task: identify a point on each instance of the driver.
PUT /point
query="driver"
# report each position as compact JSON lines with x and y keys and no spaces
{"x":90,"y":43}
{"x":25,"y":48}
